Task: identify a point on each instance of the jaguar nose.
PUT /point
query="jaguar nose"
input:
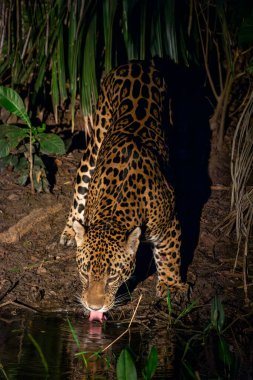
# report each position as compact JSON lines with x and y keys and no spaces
{"x":95,"y":307}
{"x":95,"y":295}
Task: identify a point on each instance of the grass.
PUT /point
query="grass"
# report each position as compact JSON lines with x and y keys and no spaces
{"x":183,"y":313}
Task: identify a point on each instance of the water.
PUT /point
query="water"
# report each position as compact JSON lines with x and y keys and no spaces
{"x":57,"y":348}
{"x":43,"y":347}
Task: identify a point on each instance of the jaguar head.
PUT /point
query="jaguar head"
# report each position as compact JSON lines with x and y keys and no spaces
{"x":106,"y":259}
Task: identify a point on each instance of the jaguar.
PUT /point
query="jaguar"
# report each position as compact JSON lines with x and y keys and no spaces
{"x":122,"y":195}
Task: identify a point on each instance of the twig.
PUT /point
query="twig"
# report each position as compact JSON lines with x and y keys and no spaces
{"x":220,"y":187}
{"x":219,"y":65}
{"x":6,"y":303}
{"x":31,"y":161}
{"x":13,"y":286}
{"x":209,"y":76}
{"x":19,"y":304}
{"x":225,"y":98}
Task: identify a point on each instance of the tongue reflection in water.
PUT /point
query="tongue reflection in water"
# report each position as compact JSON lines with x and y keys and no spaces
{"x":96,"y":316}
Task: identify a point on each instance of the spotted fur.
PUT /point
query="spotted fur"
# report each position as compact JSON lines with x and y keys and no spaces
{"x":121,"y":193}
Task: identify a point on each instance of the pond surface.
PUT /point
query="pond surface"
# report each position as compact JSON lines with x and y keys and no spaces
{"x":34,"y":346}
{"x":43,"y":347}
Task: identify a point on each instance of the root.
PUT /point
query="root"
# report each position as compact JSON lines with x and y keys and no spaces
{"x":27,"y":223}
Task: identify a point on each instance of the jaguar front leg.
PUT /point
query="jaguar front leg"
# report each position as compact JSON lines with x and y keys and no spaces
{"x":83,"y":177}
{"x":102,"y":123}
{"x":167,"y":258}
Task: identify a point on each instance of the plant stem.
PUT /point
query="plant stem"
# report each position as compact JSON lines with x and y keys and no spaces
{"x":225,"y":98}
{"x":31,"y":162}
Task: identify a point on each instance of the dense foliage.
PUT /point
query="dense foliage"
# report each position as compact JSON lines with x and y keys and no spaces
{"x":61,"y":48}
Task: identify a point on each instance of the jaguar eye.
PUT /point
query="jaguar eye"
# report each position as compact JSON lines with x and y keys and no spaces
{"x":112,"y":279}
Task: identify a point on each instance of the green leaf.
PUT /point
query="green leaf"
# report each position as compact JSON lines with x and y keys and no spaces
{"x":54,"y":87}
{"x":73,"y":49}
{"x":125,"y":366}
{"x":169,"y":32}
{"x":50,"y":143}
{"x":10,"y":160}
{"x":186,"y":310}
{"x":224,"y":352}
{"x":127,"y":8}
{"x":156,"y":33}
{"x":4,"y":148}
{"x":89,"y":85}
{"x":12,"y":135}
{"x":10,"y":100}
{"x":217,"y":314}
{"x":23,"y":179}
{"x":109,"y":9}
{"x":151,"y":364}
{"x":61,"y":67}
{"x":41,"y":129}
{"x":37,"y":161}
{"x":9,"y":130}
{"x":39,"y":175}
{"x":22,"y":165}
{"x":143,"y":32}
{"x":41,"y":75}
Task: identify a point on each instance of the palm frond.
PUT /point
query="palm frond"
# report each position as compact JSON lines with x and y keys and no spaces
{"x":109,"y":10}
{"x":88,"y":90}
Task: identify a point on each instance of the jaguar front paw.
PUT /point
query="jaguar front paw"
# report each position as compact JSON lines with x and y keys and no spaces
{"x":162,"y":289}
{"x":178,"y":290}
{"x":68,"y":237}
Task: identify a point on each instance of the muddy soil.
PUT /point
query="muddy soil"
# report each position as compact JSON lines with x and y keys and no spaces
{"x":38,"y":274}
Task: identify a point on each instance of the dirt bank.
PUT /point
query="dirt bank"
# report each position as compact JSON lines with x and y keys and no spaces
{"x":37,"y":273}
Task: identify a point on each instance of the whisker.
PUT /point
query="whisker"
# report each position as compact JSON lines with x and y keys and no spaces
{"x":122,"y":298}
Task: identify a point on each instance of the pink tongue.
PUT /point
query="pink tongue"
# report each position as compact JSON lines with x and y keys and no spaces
{"x":96,"y":316}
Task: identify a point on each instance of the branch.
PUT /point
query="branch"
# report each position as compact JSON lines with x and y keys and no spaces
{"x":205,"y":56}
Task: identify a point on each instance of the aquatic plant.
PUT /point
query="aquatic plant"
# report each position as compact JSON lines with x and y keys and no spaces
{"x":214,"y":329}
{"x":151,"y":364}
{"x":125,"y":366}
{"x":40,"y":352}
{"x":75,"y":337}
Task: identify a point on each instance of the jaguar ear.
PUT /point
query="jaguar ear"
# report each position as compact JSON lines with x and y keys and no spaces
{"x":133,"y":240}
{"x":80,"y":232}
